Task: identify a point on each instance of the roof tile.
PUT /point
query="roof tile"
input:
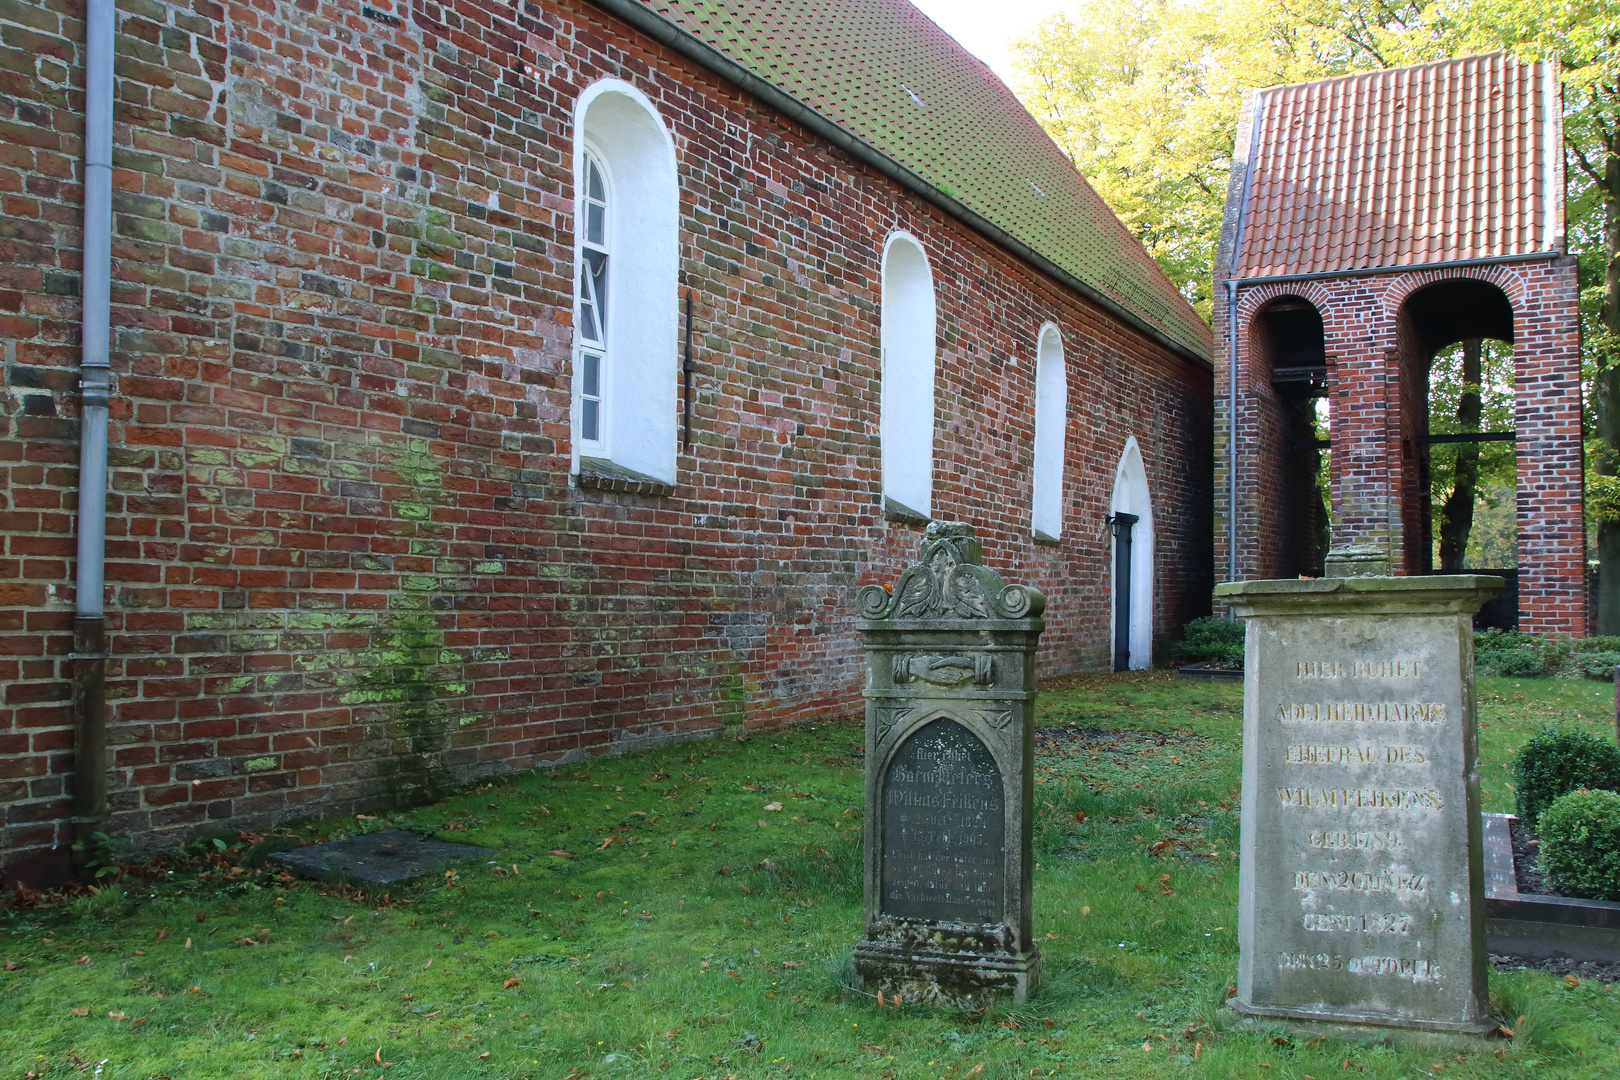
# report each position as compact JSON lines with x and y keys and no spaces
{"x":885,"y":73}
{"x":1441,"y":162}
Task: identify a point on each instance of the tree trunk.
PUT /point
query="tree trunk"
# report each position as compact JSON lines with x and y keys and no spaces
{"x":1457,"y":514}
{"x":1606,"y":402}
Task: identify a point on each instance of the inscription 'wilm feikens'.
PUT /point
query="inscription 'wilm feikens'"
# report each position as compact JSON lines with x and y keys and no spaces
{"x":1356,"y":669}
{"x":1360,"y":798}
{"x":1356,"y":712}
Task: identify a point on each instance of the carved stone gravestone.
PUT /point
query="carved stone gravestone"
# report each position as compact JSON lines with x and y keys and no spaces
{"x":949,"y":745}
{"x":1361,"y":888}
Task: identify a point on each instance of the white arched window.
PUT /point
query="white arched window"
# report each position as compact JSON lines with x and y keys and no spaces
{"x":1131,"y":514}
{"x":1051,"y":428}
{"x":626,"y":317}
{"x":906,"y":407}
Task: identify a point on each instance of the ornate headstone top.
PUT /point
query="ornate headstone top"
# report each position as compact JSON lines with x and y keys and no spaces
{"x":950,"y":581}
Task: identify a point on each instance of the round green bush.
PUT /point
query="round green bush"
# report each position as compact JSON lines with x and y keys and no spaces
{"x":1213,"y":638}
{"x":1556,"y":761}
{"x":1580,"y":844}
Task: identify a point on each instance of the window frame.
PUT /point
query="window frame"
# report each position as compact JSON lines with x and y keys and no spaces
{"x":601,"y":348}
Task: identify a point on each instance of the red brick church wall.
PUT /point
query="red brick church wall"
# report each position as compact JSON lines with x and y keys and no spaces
{"x":346,"y":563}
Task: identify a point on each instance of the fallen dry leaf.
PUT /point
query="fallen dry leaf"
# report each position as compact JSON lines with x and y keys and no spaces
{"x":485,"y":1054}
{"x":377,"y":1057}
{"x":975,"y":1071}
{"x":139,"y":1020}
{"x":603,"y":845}
{"x":1572,"y":980}
{"x":1079,"y":815}
{"x":117,"y":1016}
{"x":9,"y":965}
{"x":81,"y":1011}
{"x":509,"y":983}
{"x":83,"y":960}
{"x":773,"y":806}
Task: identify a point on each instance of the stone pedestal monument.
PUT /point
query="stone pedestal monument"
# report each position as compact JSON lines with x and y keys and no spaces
{"x":949,"y":745}
{"x":1361,"y":890}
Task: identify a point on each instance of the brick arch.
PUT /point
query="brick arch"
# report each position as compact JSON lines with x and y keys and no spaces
{"x":1249,"y":305}
{"x":1400,"y":287}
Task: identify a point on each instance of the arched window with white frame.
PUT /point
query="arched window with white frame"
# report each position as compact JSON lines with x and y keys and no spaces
{"x":1051,"y":434}
{"x":906,"y":399}
{"x":626,"y":310}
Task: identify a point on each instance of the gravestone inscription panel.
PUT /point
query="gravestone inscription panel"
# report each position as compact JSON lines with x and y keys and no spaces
{"x":1361,"y":885}
{"x":944,"y":828}
{"x":950,"y":682}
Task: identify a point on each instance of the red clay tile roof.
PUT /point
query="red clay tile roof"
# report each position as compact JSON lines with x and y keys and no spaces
{"x":1455,"y":160}
{"x":883,"y":72}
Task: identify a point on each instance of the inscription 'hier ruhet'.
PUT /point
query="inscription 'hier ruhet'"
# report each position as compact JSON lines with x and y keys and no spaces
{"x":1356,"y":669}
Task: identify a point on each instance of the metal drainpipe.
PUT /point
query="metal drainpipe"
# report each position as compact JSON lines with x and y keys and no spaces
{"x":1231,"y":429}
{"x":89,"y":656}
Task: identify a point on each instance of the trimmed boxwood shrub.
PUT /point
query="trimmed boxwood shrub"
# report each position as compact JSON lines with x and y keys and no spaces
{"x":1580,"y":844}
{"x":1213,"y":638}
{"x":1598,"y":665}
{"x":1515,"y":655}
{"x":1556,"y":761}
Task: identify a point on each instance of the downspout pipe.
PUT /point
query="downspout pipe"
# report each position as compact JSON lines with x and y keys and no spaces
{"x":1231,"y":430}
{"x":89,"y":657}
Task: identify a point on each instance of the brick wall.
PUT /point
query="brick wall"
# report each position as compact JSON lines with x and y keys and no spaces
{"x":346,"y":561}
{"x":1375,"y":459}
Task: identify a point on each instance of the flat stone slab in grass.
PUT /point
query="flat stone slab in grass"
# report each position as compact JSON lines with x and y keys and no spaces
{"x":380,"y":858}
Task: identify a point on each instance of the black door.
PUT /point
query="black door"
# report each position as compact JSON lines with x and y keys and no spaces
{"x":1122,"y":525}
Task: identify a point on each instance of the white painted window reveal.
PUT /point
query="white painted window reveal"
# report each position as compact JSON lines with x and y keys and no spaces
{"x":906,"y":401}
{"x":1051,"y":433}
{"x":627,"y":318}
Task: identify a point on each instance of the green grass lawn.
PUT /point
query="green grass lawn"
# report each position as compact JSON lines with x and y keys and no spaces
{"x":651,"y":917}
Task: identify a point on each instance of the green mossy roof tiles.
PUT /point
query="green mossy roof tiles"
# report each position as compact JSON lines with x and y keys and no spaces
{"x":885,"y":73}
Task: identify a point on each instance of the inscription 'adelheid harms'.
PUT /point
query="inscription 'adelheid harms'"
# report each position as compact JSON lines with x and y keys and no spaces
{"x":1358,"y":712}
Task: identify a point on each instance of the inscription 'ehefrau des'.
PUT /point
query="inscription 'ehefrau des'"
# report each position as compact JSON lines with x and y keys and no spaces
{"x":1363,"y":754}
{"x":1357,"y":669}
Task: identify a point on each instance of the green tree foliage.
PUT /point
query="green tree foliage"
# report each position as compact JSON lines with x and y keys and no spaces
{"x":1492,"y":463}
{"x":1144,"y":98}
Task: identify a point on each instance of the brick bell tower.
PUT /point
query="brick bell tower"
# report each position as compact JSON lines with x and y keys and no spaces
{"x":1371,"y":222}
